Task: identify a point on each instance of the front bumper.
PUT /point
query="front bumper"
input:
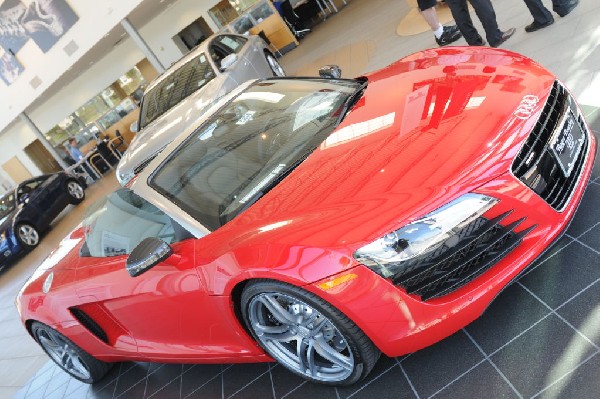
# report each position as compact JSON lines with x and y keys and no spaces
{"x":399,"y":323}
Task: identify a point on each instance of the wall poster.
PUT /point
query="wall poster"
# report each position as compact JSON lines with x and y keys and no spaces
{"x":43,"y":21}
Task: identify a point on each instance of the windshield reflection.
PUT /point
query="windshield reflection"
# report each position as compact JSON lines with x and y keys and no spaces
{"x":250,"y":145}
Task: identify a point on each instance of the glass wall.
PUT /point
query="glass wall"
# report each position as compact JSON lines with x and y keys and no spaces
{"x":100,"y":112}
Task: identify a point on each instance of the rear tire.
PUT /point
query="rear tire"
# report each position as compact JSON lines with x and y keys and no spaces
{"x":71,"y":358}
{"x":75,"y":191}
{"x":305,"y":334}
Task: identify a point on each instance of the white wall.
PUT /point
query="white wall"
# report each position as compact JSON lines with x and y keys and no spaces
{"x":157,"y":33}
{"x":95,"y":19}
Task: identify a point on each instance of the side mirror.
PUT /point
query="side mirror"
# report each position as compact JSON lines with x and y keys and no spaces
{"x":134,"y":127}
{"x":148,"y":253}
{"x":228,"y":61}
{"x":330,"y":72}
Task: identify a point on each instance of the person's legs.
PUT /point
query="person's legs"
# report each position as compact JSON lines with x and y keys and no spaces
{"x":444,"y":35}
{"x":461,"y":15}
{"x":430,"y":16}
{"x":486,"y":14}
{"x":541,"y":16}
{"x":564,"y":7}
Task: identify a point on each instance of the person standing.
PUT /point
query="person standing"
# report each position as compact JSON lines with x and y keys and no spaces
{"x":76,"y":154}
{"x":542,"y":17}
{"x":486,"y":14}
{"x":444,"y":35}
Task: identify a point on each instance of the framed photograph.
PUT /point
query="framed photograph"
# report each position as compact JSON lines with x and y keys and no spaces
{"x":51,"y":20}
{"x":13,"y":31}
{"x":10,"y":68}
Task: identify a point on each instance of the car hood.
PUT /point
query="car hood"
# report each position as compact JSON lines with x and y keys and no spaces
{"x":429,"y":128}
{"x":154,"y":137}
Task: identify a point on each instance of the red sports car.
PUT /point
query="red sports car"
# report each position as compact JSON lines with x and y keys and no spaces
{"x":319,"y":222}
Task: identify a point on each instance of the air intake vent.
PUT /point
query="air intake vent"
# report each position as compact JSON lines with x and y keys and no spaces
{"x":463,"y":257}
{"x":90,"y":324}
{"x":71,"y":48}
{"x":35,"y":82}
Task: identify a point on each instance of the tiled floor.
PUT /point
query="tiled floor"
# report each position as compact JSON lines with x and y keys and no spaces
{"x":540,"y":338}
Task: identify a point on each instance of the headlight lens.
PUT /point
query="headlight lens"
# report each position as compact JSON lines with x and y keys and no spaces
{"x":387,"y":254}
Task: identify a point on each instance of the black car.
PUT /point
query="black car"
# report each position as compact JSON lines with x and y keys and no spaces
{"x":28,"y":210}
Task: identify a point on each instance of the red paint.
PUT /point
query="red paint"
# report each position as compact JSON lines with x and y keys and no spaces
{"x":430,"y":128}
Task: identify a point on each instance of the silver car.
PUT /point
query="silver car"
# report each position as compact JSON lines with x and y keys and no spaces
{"x":183,"y":93}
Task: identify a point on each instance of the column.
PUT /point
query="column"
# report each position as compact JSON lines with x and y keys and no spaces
{"x":133,"y":33}
{"x":38,"y":133}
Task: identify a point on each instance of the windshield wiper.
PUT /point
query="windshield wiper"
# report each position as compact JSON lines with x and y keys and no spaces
{"x":351,"y":100}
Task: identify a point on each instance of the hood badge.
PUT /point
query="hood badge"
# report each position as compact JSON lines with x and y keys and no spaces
{"x":527,"y":106}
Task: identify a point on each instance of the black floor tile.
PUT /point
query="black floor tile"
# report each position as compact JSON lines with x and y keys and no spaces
{"x":197,"y":375}
{"x":383,"y":365}
{"x":212,"y":389}
{"x":171,"y":390}
{"x":564,"y":275}
{"x":432,"y":368}
{"x":479,"y":383}
{"x":583,"y":313}
{"x":510,"y":314}
{"x":310,"y":390}
{"x":284,"y":381}
{"x":132,"y":378}
{"x":391,"y":384}
{"x":260,"y":388}
{"x":165,"y":375}
{"x":582,"y":383}
{"x":588,"y":213}
{"x":238,"y":376}
{"x":592,"y":238}
{"x":542,"y":355}
{"x":106,"y":392}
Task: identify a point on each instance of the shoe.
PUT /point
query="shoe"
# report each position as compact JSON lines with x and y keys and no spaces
{"x":505,"y":36}
{"x":450,"y":35}
{"x":563,"y":12}
{"x":481,"y":43}
{"x":532,"y":27}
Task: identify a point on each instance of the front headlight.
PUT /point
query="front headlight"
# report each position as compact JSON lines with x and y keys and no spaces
{"x":387,"y":255}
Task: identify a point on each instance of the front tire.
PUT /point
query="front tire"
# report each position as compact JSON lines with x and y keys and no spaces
{"x":27,"y":235}
{"x":307,"y":335}
{"x":76,"y":192}
{"x":71,"y":358}
{"x":275,"y":66}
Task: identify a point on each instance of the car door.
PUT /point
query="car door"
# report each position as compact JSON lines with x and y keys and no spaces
{"x":32,"y":196}
{"x":167,"y":309}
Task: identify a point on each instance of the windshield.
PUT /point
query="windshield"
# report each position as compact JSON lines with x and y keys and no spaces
{"x":250,"y":145}
{"x":7,"y":205}
{"x":182,"y":82}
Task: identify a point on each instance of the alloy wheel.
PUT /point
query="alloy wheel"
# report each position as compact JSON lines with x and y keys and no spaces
{"x":300,"y":337}
{"x":275,"y":66}
{"x":75,"y":190}
{"x":28,"y":235}
{"x":63,"y":353}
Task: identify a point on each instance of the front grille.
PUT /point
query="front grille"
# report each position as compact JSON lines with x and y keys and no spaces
{"x":90,"y":324}
{"x":461,"y":258}
{"x":536,"y":166}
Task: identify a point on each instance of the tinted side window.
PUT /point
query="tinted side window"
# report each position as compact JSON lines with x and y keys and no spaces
{"x":116,"y":224}
{"x":231,"y":43}
{"x":189,"y":78}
